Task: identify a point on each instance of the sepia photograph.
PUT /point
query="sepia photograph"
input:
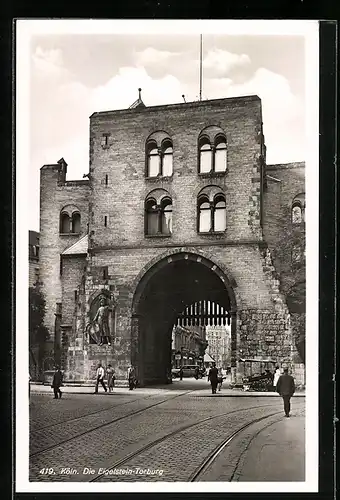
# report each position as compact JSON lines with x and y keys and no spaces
{"x":167,"y":323}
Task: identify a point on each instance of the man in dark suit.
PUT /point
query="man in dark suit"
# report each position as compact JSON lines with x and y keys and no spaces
{"x":286,"y":387}
{"x":57,"y":382}
{"x":213,"y":378}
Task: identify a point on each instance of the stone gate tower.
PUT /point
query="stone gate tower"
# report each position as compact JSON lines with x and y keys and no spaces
{"x":173,"y":214}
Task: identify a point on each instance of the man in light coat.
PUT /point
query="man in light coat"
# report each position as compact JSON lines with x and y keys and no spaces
{"x":100,"y":378}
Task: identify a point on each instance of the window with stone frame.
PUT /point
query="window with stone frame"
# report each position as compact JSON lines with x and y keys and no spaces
{"x":70,"y":220}
{"x":298,"y":209}
{"x":211,"y":211}
{"x":158,"y":214}
{"x":212,"y":151}
{"x":159,"y":156}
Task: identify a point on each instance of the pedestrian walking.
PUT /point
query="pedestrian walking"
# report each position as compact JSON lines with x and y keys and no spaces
{"x":100,"y":378}
{"x":197,"y":372}
{"x":110,"y":377}
{"x":181,"y":373}
{"x":131,"y":378}
{"x":277,"y":375}
{"x":286,"y":387}
{"x":57,"y":382}
{"x":213,"y":378}
{"x":220,"y":379}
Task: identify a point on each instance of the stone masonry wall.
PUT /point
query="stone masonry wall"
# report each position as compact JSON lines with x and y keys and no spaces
{"x":56,"y":193}
{"x":123,"y":161}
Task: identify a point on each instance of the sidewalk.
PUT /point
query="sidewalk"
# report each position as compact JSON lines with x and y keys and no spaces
{"x":277,"y":453}
{"x":72,"y":389}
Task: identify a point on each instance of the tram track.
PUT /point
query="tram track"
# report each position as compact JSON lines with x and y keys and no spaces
{"x":101,"y":426}
{"x":212,"y":456}
{"x":57,"y":424}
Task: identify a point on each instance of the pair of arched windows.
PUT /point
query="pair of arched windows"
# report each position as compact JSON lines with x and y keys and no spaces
{"x":298,"y":209}
{"x":69,"y":221}
{"x":212,"y":155}
{"x":159,"y":159}
{"x":211,"y":214}
{"x":158,"y":216}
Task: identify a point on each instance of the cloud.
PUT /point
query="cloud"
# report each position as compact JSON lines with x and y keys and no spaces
{"x":122,"y":90}
{"x":151,"y":56}
{"x":62,"y":106}
{"x":49,"y":61}
{"x":282,"y":111}
{"x":223,"y":61}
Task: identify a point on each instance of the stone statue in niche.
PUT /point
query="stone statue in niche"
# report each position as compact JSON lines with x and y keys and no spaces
{"x":100,"y":328}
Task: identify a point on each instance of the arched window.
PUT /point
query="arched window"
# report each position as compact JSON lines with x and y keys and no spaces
{"x":166,"y":216}
{"x":64,"y":223}
{"x":153,"y":160}
{"x":220,"y":163}
{"x":205,"y":160}
{"x":219,"y":214}
{"x":158,"y":217}
{"x":159,"y":155}
{"x":204,"y":217}
{"x":211,"y":211}
{"x":166,"y":159}
{"x":298,"y":209}
{"x":76,"y":222}
{"x":152,"y":217}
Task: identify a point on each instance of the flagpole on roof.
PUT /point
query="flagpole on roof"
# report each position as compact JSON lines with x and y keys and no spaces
{"x":201,"y":47}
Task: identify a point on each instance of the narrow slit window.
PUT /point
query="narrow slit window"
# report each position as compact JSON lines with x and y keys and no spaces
{"x":105,"y":221}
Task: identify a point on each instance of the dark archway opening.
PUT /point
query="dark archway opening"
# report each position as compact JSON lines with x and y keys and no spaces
{"x":162,"y":295}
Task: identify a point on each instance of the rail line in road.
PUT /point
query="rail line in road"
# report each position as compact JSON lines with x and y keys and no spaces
{"x":57,"y":424}
{"x":212,"y":456}
{"x":114,"y":420}
{"x":217,"y":451}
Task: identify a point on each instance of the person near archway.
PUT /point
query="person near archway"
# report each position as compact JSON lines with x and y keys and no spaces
{"x":213,"y":378}
{"x":220,"y":378}
{"x":110,"y":377}
{"x":100,"y":378}
{"x":286,"y":388}
{"x":131,"y":378}
{"x":57,"y":382}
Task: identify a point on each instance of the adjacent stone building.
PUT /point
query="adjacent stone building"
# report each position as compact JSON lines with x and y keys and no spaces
{"x":218,"y":338}
{"x":179,"y":208}
{"x":188,"y":345}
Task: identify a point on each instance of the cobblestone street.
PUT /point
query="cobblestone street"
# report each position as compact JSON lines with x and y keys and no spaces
{"x":164,"y":434}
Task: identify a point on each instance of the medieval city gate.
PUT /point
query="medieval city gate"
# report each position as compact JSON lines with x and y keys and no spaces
{"x":186,"y":289}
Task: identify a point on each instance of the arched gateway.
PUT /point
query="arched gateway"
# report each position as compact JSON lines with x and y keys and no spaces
{"x":163,"y":291}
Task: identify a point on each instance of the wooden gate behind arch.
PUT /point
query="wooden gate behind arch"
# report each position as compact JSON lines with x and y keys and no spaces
{"x":204,"y":313}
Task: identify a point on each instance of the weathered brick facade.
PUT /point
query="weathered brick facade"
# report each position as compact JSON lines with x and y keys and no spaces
{"x":124,"y":262}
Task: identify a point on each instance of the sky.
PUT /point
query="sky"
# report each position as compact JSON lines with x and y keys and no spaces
{"x":73,"y":75}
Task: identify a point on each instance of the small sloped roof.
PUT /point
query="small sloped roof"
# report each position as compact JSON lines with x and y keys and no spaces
{"x":208,"y":358}
{"x":79,"y":247}
{"x":137,"y":104}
